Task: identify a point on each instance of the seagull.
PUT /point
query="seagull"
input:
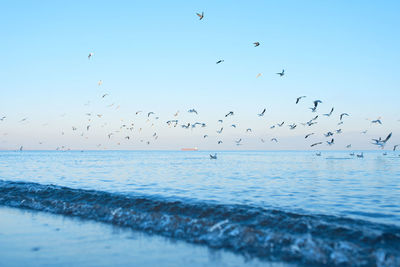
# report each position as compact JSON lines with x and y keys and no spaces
{"x":220,"y":61}
{"x":343,"y":114}
{"x":220,"y":121}
{"x":380,"y":142}
{"x":281,"y":124}
{"x":148,"y":114}
{"x":318,"y":154}
{"x":185,"y":126}
{"x":256,"y":44}
{"x":274,"y":139}
{"x":329,"y":114}
{"x":377,"y":121}
{"x":262,"y":140}
{"x":192,"y":111}
{"x":229,"y":114}
{"x":315,"y":144}
{"x":328,"y":134}
{"x":90,"y":55}
{"x":100,"y":83}
{"x":103,"y":96}
{"x":259,"y":75}
{"x":233,"y":125}
{"x":2,"y":118}
{"x":205,"y":136}
{"x":176,"y":113}
{"x":262,"y":113}
{"x":219,"y":142}
{"x":299,"y":98}
{"x":281,"y":73}
{"x":20,"y":149}
{"x":272,"y":127}
{"x":364,"y":132}
{"x":248,"y":130}
{"x":395,"y":147}
{"x":292,"y":126}
{"x":339,"y":131}
{"x":238,"y":141}
{"x":220,"y":130}
{"x":331,"y":142}
{"x":348,"y":146}
{"x":137,"y":112}
{"x":308,"y":135}
{"x":316,"y":102}
{"x":201,"y":16}
{"x":352,"y":154}
{"x":213,"y":156}
{"x":360,"y":155}
{"x":24,"y":119}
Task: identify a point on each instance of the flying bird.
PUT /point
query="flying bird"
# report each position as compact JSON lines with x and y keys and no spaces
{"x":330,"y":113}
{"x":219,"y":61}
{"x":281,"y":73}
{"x":343,"y":114}
{"x":274,"y":139}
{"x":256,"y":44}
{"x":299,"y":98}
{"x":377,"y":121}
{"x":192,"y":111}
{"x":201,"y":16}
{"x":229,"y":114}
{"x":315,"y":144}
{"x":90,"y":55}
{"x":308,"y":135}
{"x":331,"y":142}
{"x":262,"y":113}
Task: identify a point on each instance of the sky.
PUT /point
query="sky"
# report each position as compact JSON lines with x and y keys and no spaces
{"x":158,"y":56}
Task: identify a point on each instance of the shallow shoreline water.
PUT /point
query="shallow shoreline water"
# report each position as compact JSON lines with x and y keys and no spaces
{"x":30,"y":238}
{"x":272,"y":235}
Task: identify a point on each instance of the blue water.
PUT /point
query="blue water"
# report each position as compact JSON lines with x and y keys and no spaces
{"x":332,"y":209}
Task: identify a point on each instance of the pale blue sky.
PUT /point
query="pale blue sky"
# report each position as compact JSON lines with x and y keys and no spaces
{"x":157,"y":56}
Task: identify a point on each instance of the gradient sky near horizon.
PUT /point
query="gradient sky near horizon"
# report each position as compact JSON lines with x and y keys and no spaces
{"x":158,"y":56}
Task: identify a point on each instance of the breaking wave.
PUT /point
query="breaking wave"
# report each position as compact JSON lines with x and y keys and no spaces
{"x":263,"y":233}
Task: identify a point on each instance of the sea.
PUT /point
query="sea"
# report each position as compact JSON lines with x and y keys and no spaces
{"x":275,"y":206}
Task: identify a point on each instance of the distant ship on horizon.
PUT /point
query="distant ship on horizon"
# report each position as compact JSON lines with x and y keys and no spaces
{"x":190,"y":149}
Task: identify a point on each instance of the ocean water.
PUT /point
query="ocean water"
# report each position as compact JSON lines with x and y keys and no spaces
{"x":281,"y":206}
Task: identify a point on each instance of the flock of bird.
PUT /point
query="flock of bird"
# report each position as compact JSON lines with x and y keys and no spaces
{"x":127,"y":129}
